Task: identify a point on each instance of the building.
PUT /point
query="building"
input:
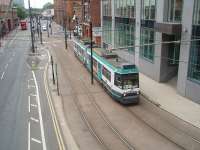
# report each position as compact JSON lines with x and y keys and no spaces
{"x":8,"y":17}
{"x":19,"y":2}
{"x":92,"y":13}
{"x":159,"y":36}
{"x":67,"y":9}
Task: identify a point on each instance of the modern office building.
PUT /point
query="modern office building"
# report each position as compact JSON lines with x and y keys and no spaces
{"x":160,"y":36}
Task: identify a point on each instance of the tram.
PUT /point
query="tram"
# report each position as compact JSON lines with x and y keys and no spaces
{"x":118,"y":77}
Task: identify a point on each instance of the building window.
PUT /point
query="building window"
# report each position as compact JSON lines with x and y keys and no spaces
{"x":125,"y":8}
{"x":106,"y":7}
{"x":174,"y":10}
{"x":147,"y":44}
{"x":194,"y":61}
{"x":196,"y":16}
{"x":106,"y":73}
{"x":124,"y":35}
{"x":107,"y":32}
{"x":148,"y":9}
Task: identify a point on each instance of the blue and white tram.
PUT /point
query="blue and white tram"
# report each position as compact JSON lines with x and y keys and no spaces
{"x":119,"y":78}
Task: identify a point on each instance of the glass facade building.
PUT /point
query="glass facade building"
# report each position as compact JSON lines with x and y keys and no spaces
{"x":194,"y":61}
{"x":124,"y":31}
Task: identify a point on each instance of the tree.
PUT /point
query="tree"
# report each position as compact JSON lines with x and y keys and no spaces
{"x":48,"y":6}
{"x":21,"y":11}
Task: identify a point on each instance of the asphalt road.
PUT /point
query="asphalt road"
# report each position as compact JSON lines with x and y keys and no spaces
{"x":25,"y":117}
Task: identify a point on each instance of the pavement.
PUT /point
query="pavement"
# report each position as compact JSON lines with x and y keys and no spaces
{"x":166,"y":97}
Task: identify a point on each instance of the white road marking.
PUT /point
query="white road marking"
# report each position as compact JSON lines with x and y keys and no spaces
{"x":6,"y":66}
{"x":32,"y":105}
{"x":40,"y":113}
{"x":34,"y":95}
{"x":29,"y":128}
{"x":36,"y":140}
{"x":35,"y":120}
{"x":29,"y":107}
{"x":2,"y":76}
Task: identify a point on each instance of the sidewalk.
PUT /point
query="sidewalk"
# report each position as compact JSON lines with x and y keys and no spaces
{"x":166,"y":97}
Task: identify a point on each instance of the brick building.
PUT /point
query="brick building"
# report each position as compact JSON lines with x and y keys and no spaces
{"x":91,"y":12}
{"x":67,"y":9}
{"x":8,"y":17}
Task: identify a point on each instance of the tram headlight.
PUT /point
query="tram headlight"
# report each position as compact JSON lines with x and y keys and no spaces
{"x":124,"y":94}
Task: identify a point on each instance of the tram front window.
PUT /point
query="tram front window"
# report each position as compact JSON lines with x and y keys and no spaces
{"x":127,"y":81}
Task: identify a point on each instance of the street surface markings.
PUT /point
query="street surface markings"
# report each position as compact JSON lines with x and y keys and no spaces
{"x":36,"y":140}
{"x":33,"y":105}
{"x":29,"y":107}
{"x":35,"y":120}
{"x":40,"y":113}
{"x":2,"y":76}
{"x":53,"y":114}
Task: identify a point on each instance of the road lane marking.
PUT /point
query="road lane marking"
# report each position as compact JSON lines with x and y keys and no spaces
{"x":33,"y":95}
{"x":36,"y":140}
{"x":33,"y":105}
{"x":40,"y":112}
{"x":35,"y":120}
{"x":6,"y":66}
{"x":29,"y":107}
{"x":2,"y":76}
{"x":29,"y":128}
{"x":53,"y":114}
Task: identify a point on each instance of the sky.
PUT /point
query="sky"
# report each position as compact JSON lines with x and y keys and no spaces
{"x":37,"y":3}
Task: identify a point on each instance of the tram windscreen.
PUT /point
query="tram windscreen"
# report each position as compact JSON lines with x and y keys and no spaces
{"x":127,"y":81}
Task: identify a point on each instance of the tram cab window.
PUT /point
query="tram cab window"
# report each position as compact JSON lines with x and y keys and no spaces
{"x":127,"y":81}
{"x":118,"y":80}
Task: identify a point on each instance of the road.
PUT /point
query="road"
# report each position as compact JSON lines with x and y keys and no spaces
{"x":25,"y":116}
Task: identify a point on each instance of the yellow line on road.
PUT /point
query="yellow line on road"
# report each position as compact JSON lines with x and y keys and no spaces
{"x":53,"y":114}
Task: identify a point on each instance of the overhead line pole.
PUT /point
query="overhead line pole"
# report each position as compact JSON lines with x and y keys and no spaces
{"x":91,"y":54}
{"x":64,"y":23}
{"x":32,"y":39}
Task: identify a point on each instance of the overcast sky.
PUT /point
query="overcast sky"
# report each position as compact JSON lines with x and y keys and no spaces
{"x":37,"y":3}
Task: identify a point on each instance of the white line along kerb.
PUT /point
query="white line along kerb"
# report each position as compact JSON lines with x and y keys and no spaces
{"x":40,"y":113}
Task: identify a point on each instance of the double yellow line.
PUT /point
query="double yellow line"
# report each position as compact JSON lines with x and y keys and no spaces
{"x":53,"y":114}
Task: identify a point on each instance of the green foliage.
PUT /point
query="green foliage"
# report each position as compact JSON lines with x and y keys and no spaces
{"x":48,"y":6}
{"x":21,"y":11}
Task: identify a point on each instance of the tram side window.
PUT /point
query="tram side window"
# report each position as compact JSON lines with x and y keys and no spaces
{"x":95,"y":65}
{"x":106,"y":73}
{"x":118,"y":80}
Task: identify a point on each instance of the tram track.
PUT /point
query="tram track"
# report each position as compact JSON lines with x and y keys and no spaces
{"x":91,"y":125}
{"x":169,"y":125}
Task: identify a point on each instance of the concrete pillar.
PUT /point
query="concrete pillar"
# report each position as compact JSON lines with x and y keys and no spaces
{"x":158,"y":38}
{"x":137,"y":31}
{"x":185,"y":47}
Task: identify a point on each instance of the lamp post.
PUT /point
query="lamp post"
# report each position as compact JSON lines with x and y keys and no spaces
{"x":32,"y":38}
